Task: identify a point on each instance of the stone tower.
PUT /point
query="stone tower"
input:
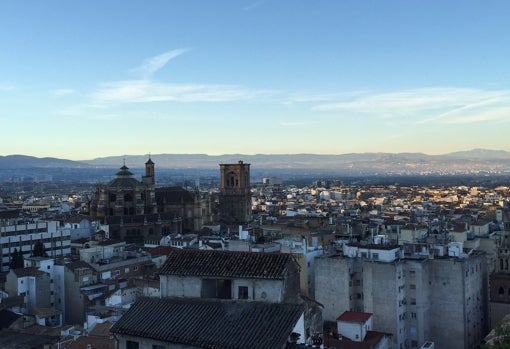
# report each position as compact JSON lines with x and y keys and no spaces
{"x":149,"y":173}
{"x":235,"y":194}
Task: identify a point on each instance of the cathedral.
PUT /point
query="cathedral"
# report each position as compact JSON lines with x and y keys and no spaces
{"x":138,"y":211}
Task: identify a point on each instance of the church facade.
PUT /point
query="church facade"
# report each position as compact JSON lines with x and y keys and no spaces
{"x":137,"y":211}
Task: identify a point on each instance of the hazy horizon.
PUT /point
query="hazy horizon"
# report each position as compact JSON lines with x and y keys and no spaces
{"x":149,"y":155}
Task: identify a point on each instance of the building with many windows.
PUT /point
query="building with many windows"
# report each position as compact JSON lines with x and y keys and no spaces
{"x":16,"y":236}
{"x":415,"y":294}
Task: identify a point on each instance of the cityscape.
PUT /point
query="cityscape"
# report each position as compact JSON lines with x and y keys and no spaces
{"x":218,"y":261}
{"x":254,"y":174}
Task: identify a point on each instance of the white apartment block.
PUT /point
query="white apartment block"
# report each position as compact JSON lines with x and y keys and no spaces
{"x":22,"y":237}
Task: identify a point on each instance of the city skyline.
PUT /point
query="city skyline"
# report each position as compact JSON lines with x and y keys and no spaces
{"x":86,"y":80}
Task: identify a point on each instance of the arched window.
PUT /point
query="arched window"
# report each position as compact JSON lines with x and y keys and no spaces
{"x":501,"y":290}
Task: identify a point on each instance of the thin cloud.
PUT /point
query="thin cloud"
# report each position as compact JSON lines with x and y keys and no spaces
{"x":144,"y":91}
{"x":311,"y":97}
{"x":153,"y":64}
{"x":440,"y":105}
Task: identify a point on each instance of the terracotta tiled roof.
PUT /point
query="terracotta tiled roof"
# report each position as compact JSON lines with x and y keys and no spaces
{"x":192,"y":262}
{"x":211,"y":324}
{"x":161,"y":250}
{"x":94,"y":342}
{"x":354,"y":316}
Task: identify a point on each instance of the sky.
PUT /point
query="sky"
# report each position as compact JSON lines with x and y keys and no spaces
{"x":87,"y":79}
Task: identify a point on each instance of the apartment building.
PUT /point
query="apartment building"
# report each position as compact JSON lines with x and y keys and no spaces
{"x":24,"y":236}
{"x":425,"y":294}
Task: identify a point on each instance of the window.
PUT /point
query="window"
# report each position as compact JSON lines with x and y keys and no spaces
{"x":412,"y":287}
{"x":154,"y":346}
{"x":117,"y":272}
{"x":412,"y":273}
{"x":243,"y":292}
{"x":132,"y":345}
{"x":413,"y":301}
{"x":375,"y":256}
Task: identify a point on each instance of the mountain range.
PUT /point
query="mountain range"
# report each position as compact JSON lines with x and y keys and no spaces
{"x":472,"y":161}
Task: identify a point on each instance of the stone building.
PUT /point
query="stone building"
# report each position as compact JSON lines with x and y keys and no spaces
{"x":413,"y":297}
{"x":138,"y":210}
{"x":266,"y":277}
{"x":235,"y":193}
{"x":32,"y":284}
{"x":221,"y":299}
{"x":500,"y":281}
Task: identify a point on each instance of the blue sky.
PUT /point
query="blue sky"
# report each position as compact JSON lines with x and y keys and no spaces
{"x":86,"y":79}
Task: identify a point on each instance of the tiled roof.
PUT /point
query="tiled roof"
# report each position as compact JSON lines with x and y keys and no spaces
{"x":29,"y":271}
{"x":354,"y":316}
{"x":211,"y":324}
{"x":161,"y":250}
{"x":192,"y":262}
{"x":77,"y":265}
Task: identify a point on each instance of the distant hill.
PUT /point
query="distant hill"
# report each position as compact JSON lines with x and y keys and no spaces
{"x":24,"y":161}
{"x":297,"y":160}
{"x":476,"y":161}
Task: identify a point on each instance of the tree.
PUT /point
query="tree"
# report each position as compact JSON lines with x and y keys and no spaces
{"x":39,"y":250}
{"x":16,"y":260}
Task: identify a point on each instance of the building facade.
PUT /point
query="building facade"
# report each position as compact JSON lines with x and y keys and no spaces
{"x":414,"y":298}
{"x":235,"y":193}
{"x":136,"y":210}
{"x":22,"y":237}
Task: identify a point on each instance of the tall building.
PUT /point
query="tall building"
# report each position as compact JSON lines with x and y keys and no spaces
{"x":126,"y":196}
{"x":499,"y":281}
{"x":438,"y":295}
{"x":235,"y":193}
{"x":135,"y":210}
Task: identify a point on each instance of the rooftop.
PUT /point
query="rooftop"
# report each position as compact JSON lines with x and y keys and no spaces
{"x":354,"y":316}
{"x":193,"y":262}
{"x":211,"y":324}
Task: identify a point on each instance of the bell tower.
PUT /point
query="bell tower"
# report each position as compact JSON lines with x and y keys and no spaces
{"x":149,"y":172}
{"x":235,"y":193}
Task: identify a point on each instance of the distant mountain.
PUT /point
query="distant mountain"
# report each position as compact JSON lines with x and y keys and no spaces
{"x":204,"y":161}
{"x":475,"y":162}
{"x":480,"y":154}
{"x":24,"y":161}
